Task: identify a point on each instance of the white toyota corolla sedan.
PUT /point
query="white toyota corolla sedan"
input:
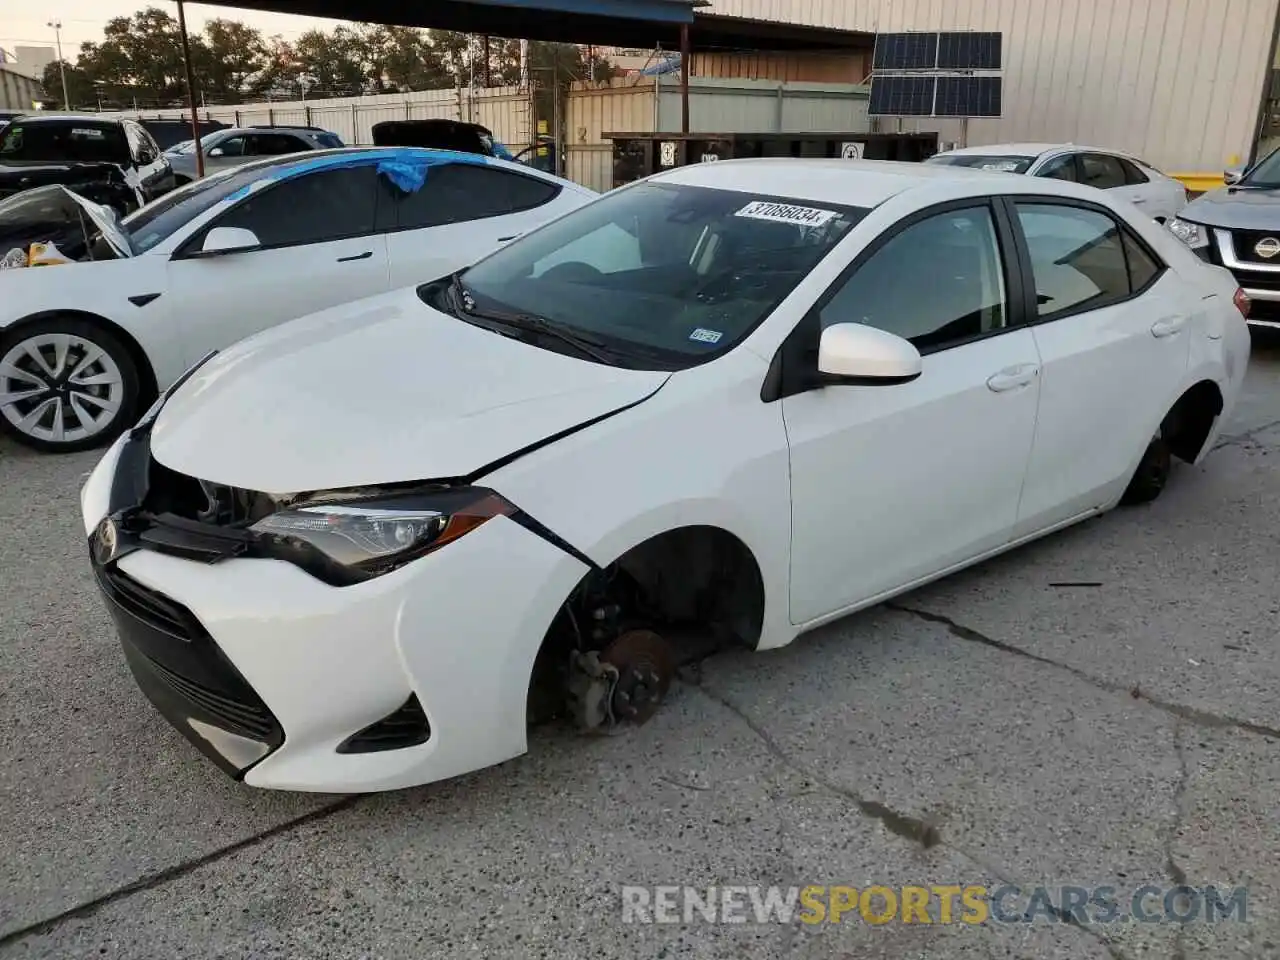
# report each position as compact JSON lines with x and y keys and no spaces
{"x":86,"y":346}
{"x":728,"y":403}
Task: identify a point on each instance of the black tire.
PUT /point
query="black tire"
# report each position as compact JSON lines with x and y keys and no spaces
{"x":1152,"y":475}
{"x":127,"y":396}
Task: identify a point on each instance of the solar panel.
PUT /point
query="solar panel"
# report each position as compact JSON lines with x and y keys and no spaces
{"x":969,"y":51}
{"x":905,"y":51}
{"x":967,"y":97}
{"x":902,"y":96}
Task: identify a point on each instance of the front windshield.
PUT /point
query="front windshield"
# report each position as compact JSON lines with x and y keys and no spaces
{"x":666,"y":270}
{"x":1266,"y":173}
{"x":186,"y":146}
{"x":76,"y":141}
{"x":158,"y":220}
{"x":997,"y":163}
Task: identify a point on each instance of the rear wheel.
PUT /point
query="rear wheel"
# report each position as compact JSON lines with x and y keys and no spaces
{"x":1153,"y":471}
{"x":66,"y":385}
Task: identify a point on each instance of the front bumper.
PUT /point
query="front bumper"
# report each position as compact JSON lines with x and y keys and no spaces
{"x":271,"y":672}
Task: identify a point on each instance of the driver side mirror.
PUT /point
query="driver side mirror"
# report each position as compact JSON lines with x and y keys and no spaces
{"x":854,"y":353}
{"x":215,"y":152}
{"x":224,"y":240}
{"x":1233,"y":176}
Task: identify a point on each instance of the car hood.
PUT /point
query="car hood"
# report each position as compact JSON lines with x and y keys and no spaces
{"x":1236,"y":208}
{"x":384,"y":390}
{"x":45,"y":213}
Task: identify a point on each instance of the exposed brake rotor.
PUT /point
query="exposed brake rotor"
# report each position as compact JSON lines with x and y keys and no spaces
{"x":645,"y":666}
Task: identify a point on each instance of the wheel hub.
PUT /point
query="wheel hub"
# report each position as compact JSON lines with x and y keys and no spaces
{"x":645,"y":666}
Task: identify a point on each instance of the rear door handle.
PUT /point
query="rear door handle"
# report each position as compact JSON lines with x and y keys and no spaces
{"x":1168,"y":326}
{"x":508,"y":239}
{"x":359,"y":256}
{"x":1012,"y":378}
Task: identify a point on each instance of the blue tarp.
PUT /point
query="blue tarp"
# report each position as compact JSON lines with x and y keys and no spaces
{"x":406,"y":167}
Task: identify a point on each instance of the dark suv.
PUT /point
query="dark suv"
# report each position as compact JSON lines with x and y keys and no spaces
{"x":1238,"y":227}
{"x":108,"y":160}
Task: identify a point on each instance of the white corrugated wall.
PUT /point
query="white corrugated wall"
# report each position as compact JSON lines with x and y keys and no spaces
{"x":1176,"y":81}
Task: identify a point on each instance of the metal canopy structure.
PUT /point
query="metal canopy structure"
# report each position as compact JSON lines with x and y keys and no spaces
{"x":652,"y":24}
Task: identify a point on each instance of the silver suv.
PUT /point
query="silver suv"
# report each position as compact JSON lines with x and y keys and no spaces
{"x":237,"y":145}
{"x":1238,"y":227}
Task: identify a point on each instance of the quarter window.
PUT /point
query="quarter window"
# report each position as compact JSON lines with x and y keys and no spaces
{"x":458,"y":192}
{"x":1082,"y":259}
{"x":937,"y":283}
{"x":1133,"y":175}
{"x":313,"y":208}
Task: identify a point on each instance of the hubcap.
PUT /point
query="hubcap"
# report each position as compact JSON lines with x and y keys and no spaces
{"x":59,"y":388}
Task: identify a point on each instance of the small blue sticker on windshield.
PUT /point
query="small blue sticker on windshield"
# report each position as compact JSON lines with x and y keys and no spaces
{"x":703,"y":335}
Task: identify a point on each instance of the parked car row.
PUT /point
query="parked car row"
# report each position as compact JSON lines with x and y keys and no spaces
{"x":84,"y":348}
{"x":717,"y":402}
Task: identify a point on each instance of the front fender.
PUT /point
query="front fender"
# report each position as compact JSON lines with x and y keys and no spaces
{"x":703,"y":451}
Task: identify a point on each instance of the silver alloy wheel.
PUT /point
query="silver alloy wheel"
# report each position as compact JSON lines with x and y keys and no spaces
{"x":59,"y":388}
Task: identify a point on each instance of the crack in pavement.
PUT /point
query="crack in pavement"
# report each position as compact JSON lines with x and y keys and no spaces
{"x":1200,"y":718}
{"x":1243,"y":438}
{"x":903,"y":825}
{"x":161,"y":877}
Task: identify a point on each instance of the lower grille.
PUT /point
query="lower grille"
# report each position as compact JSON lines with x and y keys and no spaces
{"x":407,"y":727}
{"x":253,"y":720}
{"x":147,"y":605}
{"x":187,"y":677}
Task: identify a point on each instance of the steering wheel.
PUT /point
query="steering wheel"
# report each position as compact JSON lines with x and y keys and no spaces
{"x":575,"y":271}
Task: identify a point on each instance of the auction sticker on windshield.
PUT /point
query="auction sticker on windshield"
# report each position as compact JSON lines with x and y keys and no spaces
{"x":786,"y":213}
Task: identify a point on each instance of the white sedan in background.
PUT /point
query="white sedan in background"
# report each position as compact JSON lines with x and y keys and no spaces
{"x":730,"y":402}
{"x":84,"y":347}
{"x":1159,"y":196}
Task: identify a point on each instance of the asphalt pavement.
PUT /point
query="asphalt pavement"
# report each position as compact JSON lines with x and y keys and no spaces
{"x":1098,"y":710}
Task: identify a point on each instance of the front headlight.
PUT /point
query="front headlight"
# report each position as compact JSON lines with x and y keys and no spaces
{"x":1194,"y":235}
{"x":372,"y":537}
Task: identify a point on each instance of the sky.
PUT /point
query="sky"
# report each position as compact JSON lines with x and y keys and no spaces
{"x":83,"y":20}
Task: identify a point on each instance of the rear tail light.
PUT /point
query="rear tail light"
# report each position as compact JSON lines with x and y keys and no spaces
{"x":1242,"y":302}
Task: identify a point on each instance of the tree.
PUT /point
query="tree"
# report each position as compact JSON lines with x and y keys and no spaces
{"x":140,"y":59}
{"x":334,"y":60}
{"x":235,"y":53}
{"x":280,"y":69}
{"x":454,"y":50}
{"x":403,"y":58}
{"x":80,"y":89}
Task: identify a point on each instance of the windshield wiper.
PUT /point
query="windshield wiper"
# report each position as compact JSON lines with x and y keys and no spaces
{"x":588,"y":346}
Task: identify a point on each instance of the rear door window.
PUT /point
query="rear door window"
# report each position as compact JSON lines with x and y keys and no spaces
{"x":1082,"y":259}
{"x":1101,"y":171}
{"x":1061,"y":168}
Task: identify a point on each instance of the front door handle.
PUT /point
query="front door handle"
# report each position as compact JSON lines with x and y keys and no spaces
{"x":1168,"y":326}
{"x":359,"y":256}
{"x":1012,"y":378}
{"x":508,"y":239}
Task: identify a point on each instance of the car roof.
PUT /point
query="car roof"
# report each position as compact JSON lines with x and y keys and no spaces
{"x":269,"y":129}
{"x":1031,"y":150}
{"x":43,"y":117}
{"x":373,"y":153}
{"x":854,"y":183}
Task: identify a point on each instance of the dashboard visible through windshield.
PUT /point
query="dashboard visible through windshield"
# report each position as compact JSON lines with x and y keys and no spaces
{"x":666,"y":271}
